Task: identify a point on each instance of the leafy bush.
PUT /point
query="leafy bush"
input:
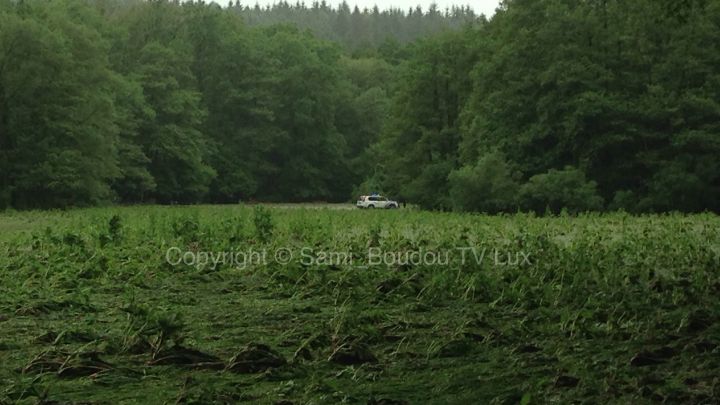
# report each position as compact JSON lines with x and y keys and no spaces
{"x":558,"y":189}
{"x":676,"y":187}
{"x":262,"y":218}
{"x":374,"y":183}
{"x":488,"y":186}
{"x":429,"y":189}
{"x":187,"y":229}
{"x":624,"y":200}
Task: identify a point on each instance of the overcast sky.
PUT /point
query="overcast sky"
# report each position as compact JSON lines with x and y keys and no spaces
{"x":480,"y":6}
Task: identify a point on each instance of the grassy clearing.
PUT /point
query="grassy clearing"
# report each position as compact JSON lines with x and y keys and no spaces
{"x":611,"y":308}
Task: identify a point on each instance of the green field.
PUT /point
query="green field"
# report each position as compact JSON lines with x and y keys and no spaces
{"x":95,"y":308}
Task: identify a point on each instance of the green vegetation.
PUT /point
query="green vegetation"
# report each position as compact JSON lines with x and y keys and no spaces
{"x":609,"y":309}
{"x":356,"y":29}
{"x":544,"y":116}
{"x":625,"y":92}
{"x":129,"y":101}
{"x":121,"y":101}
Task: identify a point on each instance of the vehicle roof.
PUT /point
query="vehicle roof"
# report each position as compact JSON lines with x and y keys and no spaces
{"x":373,"y":195}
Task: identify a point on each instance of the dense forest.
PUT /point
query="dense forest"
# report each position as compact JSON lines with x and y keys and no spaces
{"x":549,"y":105}
{"x":355,"y":28}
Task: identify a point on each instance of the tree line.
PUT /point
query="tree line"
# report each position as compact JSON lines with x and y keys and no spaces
{"x":551,"y":105}
{"x":357,"y":28}
{"x":134,"y":101}
{"x":555,"y":104}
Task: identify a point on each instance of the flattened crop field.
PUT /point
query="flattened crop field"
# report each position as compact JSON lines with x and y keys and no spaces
{"x":228,"y":304}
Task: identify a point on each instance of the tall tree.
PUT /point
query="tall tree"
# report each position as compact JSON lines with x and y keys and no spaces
{"x":57,"y":126}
